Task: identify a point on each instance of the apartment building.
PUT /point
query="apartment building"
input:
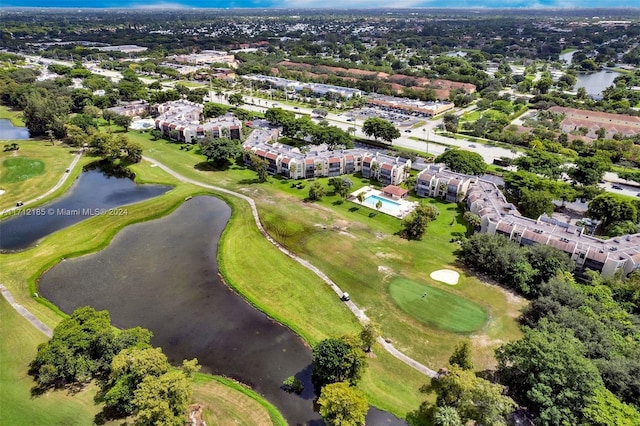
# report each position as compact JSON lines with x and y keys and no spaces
{"x":292,"y":163}
{"x":180,"y":120}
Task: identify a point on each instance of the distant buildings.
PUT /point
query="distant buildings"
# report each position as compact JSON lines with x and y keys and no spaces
{"x":316,"y":88}
{"x":125,"y":48}
{"x":626,"y":125}
{"x":410,"y":106}
{"x":180,"y":120}
{"x":206,"y":57}
{"x":132,"y":109}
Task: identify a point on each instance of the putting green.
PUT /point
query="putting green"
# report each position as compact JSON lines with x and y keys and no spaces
{"x":437,"y":308}
{"x":17,"y":169}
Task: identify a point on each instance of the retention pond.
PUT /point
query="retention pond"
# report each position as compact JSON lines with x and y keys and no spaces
{"x":163,"y":275}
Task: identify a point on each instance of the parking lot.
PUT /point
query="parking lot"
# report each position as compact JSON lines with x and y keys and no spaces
{"x":398,"y":119}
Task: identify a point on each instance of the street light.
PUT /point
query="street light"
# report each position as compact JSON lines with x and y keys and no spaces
{"x":424,"y":130}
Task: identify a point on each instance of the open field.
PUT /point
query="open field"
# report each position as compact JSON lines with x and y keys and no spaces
{"x":55,"y":159}
{"x":437,"y":307}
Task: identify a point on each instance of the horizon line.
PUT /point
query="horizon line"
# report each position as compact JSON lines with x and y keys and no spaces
{"x":160,"y":7}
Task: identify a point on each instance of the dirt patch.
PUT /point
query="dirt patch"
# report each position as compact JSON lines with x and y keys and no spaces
{"x":195,"y":415}
{"x":383,"y":255}
{"x":386,"y":271}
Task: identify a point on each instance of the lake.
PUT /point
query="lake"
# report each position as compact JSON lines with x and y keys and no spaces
{"x":10,"y":132}
{"x":163,"y":275}
{"x":594,"y":82}
{"x":91,"y":194}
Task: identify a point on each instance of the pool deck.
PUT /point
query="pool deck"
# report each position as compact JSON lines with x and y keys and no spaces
{"x":405,"y":207}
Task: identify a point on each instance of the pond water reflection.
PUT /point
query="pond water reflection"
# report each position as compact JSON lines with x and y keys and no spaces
{"x":95,"y":191}
{"x":10,"y":132}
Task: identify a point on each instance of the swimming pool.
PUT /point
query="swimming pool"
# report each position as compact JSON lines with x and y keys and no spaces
{"x":372,"y":200}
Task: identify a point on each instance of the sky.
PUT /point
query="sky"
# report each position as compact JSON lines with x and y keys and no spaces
{"x":307,"y":4}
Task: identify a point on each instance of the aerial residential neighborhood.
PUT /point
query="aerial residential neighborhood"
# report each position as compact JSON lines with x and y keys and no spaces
{"x":286,"y":214}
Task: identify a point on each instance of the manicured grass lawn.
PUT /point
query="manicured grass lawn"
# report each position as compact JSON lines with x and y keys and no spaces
{"x":229,"y":403}
{"x":53,"y":159}
{"x":19,"y":169}
{"x":436,"y":307}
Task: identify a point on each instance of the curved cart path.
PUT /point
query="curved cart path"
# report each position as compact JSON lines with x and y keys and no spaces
{"x":359,"y":313}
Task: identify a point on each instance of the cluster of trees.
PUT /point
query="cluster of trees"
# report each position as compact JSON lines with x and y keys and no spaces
{"x":523,"y":269}
{"x":134,"y":378}
{"x":338,"y":365}
{"x":304,"y":129}
{"x":578,"y":362}
{"x":463,"y":396}
{"x":219,"y":150}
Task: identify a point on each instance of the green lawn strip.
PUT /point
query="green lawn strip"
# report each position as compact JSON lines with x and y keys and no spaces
{"x":14,"y":116}
{"x":276,"y":284}
{"x":18,"y":169}
{"x":437,"y":307}
{"x":56,"y":159}
{"x":230,"y":402}
{"x":18,"y":346}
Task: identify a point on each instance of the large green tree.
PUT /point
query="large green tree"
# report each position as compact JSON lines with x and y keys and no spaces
{"x":474,"y":398}
{"x":415,"y":225}
{"x":461,"y":161}
{"x":219,"y":150}
{"x":589,"y":170}
{"x":380,"y":128}
{"x":337,"y":360}
{"x":82,"y":348}
{"x":342,"y":405}
{"x":610,"y":208}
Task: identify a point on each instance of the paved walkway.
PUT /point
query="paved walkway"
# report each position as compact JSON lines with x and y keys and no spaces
{"x":359,"y":313}
{"x":62,"y":180}
{"x":25,"y":313}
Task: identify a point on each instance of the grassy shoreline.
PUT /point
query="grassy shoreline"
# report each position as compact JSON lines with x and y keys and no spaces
{"x":14,"y":116}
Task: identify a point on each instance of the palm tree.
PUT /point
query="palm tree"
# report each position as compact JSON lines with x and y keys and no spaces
{"x":378,"y":205}
{"x":361,"y":197}
{"x":375,"y":167}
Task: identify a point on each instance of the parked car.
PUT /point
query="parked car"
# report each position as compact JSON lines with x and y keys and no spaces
{"x":614,"y":186}
{"x":407,"y":131}
{"x":472,"y":146}
{"x":345,"y":297}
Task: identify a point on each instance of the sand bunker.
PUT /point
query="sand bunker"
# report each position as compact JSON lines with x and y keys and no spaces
{"x":446,"y":276}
